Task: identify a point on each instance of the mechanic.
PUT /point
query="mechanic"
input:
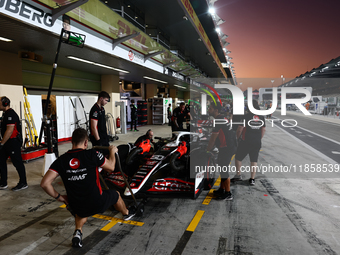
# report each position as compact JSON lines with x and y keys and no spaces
{"x":225,"y":140}
{"x":148,"y":135}
{"x":79,"y":170}
{"x":98,"y":132}
{"x":133,"y":111}
{"x":179,"y":116}
{"x":169,"y":114}
{"x":250,"y":142}
{"x":10,"y":145}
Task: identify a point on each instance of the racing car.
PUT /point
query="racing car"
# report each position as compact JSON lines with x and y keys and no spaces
{"x":169,"y":170}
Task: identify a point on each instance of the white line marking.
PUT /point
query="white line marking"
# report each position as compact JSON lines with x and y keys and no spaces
{"x":336,"y":152}
{"x":328,"y":159}
{"x":324,"y":137}
{"x":32,"y":246}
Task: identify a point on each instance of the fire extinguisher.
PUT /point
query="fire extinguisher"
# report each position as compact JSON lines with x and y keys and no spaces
{"x":118,"y":122}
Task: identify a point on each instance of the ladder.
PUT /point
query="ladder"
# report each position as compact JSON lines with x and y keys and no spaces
{"x":31,"y":132}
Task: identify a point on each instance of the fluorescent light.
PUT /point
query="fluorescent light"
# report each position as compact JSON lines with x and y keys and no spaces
{"x":180,"y":86}
{"x":149,"y":78}
{"x":81,"y":60}
{"x":97,"y":64}
{"x":5,"y":39}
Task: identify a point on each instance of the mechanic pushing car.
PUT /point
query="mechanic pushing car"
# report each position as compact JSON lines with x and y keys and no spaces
{"x":225,"y":140}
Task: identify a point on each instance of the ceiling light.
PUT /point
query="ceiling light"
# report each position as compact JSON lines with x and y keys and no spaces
{"x":179,"y":86}
{"x":97,"y":64}
{"x":218,"y":30}
{"x":81,"y":60}
{"x":212,"y":10}
{"x":129,"y":6}
{"x":5,"y":39}
{"x":149,"y":78}
{"x":185,"y":17}
{"x":199,"y":39}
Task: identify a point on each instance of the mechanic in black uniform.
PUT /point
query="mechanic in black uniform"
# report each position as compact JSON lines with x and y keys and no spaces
{"x":98,"y":132}
{"x":225,"y":140}
{"x":250,"y":142}
{"x":169,"y":114}
{"x":179,"y":116}
{"x":133,"y":110}
{"x":10,"y":145}
{"x":79,"y":169}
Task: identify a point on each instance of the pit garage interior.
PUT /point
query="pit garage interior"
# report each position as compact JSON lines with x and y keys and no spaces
{"x":152,"y":51}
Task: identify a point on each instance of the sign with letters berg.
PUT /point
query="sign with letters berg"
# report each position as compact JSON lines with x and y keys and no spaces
{"x":26,"y":12}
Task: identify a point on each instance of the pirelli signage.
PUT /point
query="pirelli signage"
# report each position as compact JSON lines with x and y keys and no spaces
{"x":24,"y":11}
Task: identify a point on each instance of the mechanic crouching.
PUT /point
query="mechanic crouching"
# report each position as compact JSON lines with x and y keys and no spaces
{"x":79,"y":170}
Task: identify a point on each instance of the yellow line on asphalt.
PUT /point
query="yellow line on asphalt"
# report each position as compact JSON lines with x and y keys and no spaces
{"x":218,"y":181}
{"x":108,"y":226}
{"x":195,"y":221}
{"x":210,"y":195}
{"x":208,"y":198}
{"x":114,"y":220}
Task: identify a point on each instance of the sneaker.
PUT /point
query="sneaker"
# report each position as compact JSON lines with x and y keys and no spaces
{"x":237,"y":177}
{"x":225,"y":196}
{"x":136,"y":130}
{"x":77,"y":240}
{"x":2,"y":186}
{"x":251,"y":182}
{"x":132,"y":213}
{"x":218,"y":192}
{"x":20,"y":186}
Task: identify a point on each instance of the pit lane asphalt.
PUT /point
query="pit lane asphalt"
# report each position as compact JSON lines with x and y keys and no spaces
{"x":319,"y":132}
{"x":284,"y":213}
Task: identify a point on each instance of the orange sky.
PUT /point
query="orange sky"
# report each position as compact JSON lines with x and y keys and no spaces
{"x":273,"y":38}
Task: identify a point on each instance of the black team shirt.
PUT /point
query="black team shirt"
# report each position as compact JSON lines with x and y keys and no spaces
{"x":10,"y":118}
{"x":98,"y":113}
{"x":180,"y":115}
{"x":80,"y":174}
{"x":253,"y":125}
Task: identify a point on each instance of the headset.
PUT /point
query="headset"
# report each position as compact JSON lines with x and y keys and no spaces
{"x":5,"y":101}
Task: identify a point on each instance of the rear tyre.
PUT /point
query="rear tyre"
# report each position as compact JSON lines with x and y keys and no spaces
{"x":133,"y":155}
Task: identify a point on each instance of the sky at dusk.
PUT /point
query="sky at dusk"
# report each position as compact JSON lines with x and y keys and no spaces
{"x":273,"y":38}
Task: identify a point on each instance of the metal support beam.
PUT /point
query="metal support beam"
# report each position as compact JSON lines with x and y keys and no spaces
{"x":117,"y":41}
{"x":151,"y":55}
{"x":186,"y":69}
{"x":170,"y":64}
{"x":66,"y":8}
